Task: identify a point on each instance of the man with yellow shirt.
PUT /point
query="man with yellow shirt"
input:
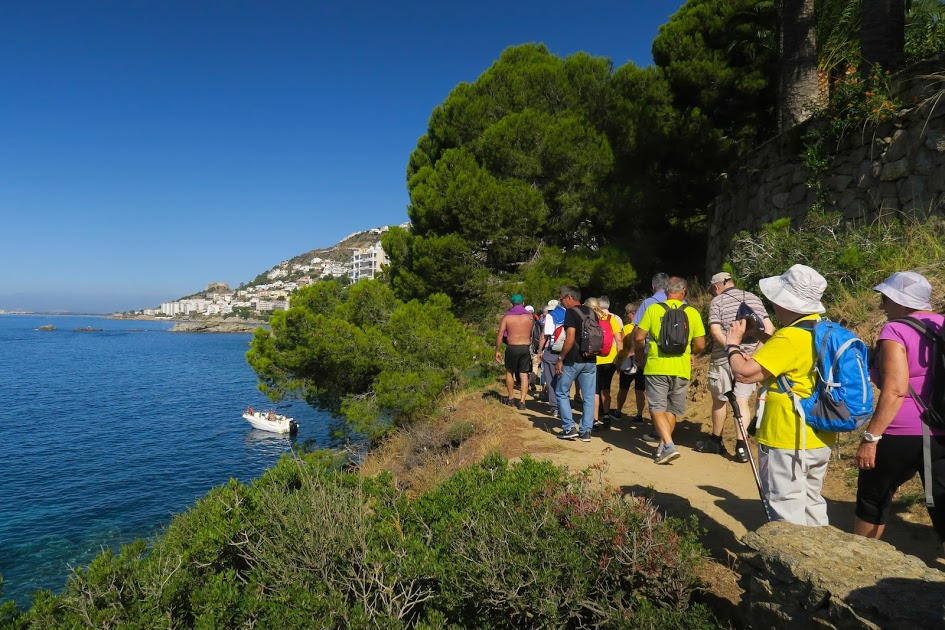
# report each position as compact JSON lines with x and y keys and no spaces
{"x":667,"y":375}
{"x":792,"y":477}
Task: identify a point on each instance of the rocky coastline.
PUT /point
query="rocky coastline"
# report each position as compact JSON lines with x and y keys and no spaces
{"x":214,"y":326}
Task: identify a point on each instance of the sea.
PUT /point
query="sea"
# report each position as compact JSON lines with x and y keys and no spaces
{"x":105,"y":435}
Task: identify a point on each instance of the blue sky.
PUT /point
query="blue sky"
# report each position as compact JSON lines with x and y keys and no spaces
{"x":151,"y":147}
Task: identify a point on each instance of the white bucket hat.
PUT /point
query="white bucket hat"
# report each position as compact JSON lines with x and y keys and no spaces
{"x":552,"y":304}
{"x":798,"y":290}
{"x":907,"y":288}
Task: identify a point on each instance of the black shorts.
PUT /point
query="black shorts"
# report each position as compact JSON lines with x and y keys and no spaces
{"x":639,"y":383}
{"x":605,"y":376}
{"x":518,"y":359}
{"x":898,"y":459}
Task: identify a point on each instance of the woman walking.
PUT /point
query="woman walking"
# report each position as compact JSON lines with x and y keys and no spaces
{"x":892,"y":452}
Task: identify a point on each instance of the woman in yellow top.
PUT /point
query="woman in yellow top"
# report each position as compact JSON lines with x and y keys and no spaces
{"x":606,"y":363}
{"x":791,"y":478}
{"x":626,"y":380}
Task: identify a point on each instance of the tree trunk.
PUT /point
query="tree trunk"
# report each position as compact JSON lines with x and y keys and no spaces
{"x":799,"y":93}
{"x":883,"y":34}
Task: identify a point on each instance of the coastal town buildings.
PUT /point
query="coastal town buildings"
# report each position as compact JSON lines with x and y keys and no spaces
{"x":276,"y":286}
{"x":366,"y":263}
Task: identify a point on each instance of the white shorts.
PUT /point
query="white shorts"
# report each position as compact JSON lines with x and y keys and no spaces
{"x":721,"y":382}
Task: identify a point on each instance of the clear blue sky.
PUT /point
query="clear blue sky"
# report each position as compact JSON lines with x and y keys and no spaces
{"x":153,"y":146}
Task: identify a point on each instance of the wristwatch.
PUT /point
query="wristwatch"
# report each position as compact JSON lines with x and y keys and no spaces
{"x":869,"y":437}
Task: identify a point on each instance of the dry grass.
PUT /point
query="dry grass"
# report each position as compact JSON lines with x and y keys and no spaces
{"x":426,"y":453}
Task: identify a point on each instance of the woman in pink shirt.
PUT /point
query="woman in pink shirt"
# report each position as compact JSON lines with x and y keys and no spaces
{"x":891,"y":452}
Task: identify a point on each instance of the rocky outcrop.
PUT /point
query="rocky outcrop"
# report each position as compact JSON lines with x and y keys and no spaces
{"x":47,"y":327}
{"x":820,"y":577}
{"x":213,"y":327}
{"x":896,"y":168}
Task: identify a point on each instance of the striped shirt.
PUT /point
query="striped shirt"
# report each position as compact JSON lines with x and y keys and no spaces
{"x":722,"y":311}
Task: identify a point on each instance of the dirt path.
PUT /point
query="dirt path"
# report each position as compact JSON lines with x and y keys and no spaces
{"x":720,"y":493}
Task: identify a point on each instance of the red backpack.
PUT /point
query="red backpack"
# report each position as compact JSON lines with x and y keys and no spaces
{"x":608,"y":331}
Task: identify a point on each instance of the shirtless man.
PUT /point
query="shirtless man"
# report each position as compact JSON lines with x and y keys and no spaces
{"x":516,"y":331}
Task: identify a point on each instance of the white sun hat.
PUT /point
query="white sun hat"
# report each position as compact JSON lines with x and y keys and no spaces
{"x":907,"y":288}
{"x":798,"y":290}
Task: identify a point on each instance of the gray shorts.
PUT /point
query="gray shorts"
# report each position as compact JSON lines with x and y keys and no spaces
{"x":720,"y":382}
{"x":667,"y":393}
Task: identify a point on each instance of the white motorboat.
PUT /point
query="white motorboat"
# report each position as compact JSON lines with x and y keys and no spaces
{"x":271,"y":422}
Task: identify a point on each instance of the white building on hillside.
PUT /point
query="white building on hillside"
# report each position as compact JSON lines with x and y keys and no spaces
{"x":366,"y":263}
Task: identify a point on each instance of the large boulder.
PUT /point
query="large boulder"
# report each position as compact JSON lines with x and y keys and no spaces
{"x":821,"y":577}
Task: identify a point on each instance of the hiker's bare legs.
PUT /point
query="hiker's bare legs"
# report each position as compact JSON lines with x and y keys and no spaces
{"x":641,"y":399}
{"x":719,"y":413}
{"x":665,"y":423}
{"x":523,"y":378}
{"x":510,"y":384}
{"x":869,"y":530}
{"x":605,"y":400}
{"x":621,"y":399}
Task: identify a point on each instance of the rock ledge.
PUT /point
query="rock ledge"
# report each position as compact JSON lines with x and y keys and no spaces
{"x":821,"y":577}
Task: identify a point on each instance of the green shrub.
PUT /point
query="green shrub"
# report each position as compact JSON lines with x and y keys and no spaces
{"x":311,"y":545}
{"x":362,"y":353}
{"x":543,"y":548}
{"x":460,"y":431}
{"x":857,"y":103}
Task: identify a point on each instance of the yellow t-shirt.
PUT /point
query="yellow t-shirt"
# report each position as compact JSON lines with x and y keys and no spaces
{"x":673,"y":365}
{"x":790,"y":352}
{"x":612,"y":355}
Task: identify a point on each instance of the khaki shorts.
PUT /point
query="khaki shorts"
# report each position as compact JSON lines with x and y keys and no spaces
{"x":667,"y":393}
{"x":720,"y":382}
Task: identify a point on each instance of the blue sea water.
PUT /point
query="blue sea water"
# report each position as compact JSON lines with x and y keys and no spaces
{"x":106,"y":435}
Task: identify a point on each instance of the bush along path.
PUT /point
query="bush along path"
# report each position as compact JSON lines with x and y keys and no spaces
{"x":311,"y":545}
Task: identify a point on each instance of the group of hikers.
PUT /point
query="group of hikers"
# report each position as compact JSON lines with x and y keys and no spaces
{"x":814,"y":375}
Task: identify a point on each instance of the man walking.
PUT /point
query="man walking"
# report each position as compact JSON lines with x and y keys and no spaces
{"x":658,"y":284}
{"x":516,"y":331}
{"x":675,"y":331}
{"x":553,"y":328}
{"x":573,"y":365}
{"x":728,"y":304}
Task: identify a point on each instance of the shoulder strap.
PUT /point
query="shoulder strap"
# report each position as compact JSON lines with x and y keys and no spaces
{"x":917,"y":325}
{"x":806,"y":324}
{"x":664,"y":305}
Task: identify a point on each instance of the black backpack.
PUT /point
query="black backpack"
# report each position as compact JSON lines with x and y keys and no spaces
{"x":591,"y":335}
{"x":674,"y":330}
{"x":933,"y":413}
{"x":537,"y":336}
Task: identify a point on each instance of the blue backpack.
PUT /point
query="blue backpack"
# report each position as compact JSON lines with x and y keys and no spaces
{"x":842,"y":399}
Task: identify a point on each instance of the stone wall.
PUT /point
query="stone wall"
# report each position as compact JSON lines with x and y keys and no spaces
{"x":820,"y":577}
{"x":898,"y":167}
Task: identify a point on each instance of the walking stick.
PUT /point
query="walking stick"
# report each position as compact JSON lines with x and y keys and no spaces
{"x":751,"y":458}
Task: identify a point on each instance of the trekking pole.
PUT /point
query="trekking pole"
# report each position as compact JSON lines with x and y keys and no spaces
{"x":751,"y":458}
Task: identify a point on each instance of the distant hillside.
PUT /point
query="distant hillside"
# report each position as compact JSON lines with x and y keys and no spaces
{"x":291,"y":269}
{"x":338,"y":253}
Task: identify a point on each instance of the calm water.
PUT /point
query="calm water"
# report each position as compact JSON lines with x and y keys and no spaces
{"x":106,"y":435}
